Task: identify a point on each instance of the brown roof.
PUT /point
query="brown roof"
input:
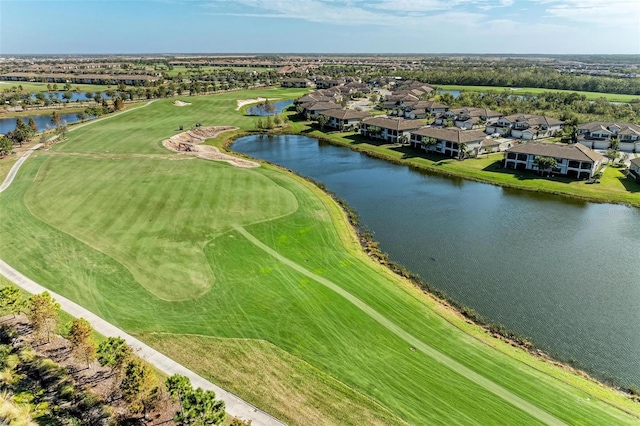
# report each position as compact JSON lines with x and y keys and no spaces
{"x":605,"y":125}
{"x":475,"y":112}
{"x":322,"y":106}
{"x":345,"y":114}
{"x":534,"y":120}
{"x":394,"y":123}
{"x":576,"y":152}
{"x":452,"y":134}
{"x":636,"y":161}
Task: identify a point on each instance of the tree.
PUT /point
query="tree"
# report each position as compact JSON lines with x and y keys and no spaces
{"x":612,"y":154}
{"x":462,"y":150}
{"x":115,"y":354}
{"x":428,"y":143}
{"x":21,"y":133}
{"x":11,"y":299}
{"x":6,"y":145}
{"x":545,"y":164}
{"x":66,"y":95}
{"x":139,"y":385}
{"x":201,"y":408}
{"x":56,"y":120}
{"x":177,"y":387}
{"x":322,"y":120}
{"x":42,"y":311}
{"x":82,"y":115}
{"x":615,"y":144}
{"x":33,"y":125}
{"x":118,"y":104}
{"x":81,"y":338}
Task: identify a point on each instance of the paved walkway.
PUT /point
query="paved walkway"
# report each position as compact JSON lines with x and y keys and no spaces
{"x":234,"y":405}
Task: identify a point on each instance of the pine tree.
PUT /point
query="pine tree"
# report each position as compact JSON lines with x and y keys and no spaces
{"x":81,"y":338}
{"x":42,"y":311}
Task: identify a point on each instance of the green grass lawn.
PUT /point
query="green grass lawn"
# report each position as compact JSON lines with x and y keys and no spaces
{"x":225,"y":269}
{"x":611,"y":97}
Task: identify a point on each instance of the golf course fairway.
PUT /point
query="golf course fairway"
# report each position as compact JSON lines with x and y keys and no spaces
{"x":254,"y":279}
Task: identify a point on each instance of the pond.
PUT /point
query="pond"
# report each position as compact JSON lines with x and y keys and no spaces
{"x":42,"y":121}
{"x":563,"y":273}
{"x":279,"y":106}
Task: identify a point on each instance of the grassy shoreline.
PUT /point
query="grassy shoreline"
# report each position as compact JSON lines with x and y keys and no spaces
{"x":465,"y":319}
{"x":614,"y":188}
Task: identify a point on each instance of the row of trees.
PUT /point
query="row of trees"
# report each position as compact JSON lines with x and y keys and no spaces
{"x":134,"y":378}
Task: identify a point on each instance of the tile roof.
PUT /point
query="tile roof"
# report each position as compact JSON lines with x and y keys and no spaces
{"x":534,"y":120}
{"x":345,"y":114}
{"x":576,"y":152}
{"x":393,"y":123}
{"x":452,"y":134}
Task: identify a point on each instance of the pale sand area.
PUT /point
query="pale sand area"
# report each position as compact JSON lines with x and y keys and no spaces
{"x":188,"y":143}
{"x":243,"y":102}
{"x":180,"y":103}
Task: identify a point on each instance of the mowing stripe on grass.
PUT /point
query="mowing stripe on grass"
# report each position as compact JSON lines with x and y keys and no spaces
{"x":438,"y":356}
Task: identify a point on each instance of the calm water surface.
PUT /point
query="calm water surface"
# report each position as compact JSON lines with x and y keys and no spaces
{"x":564,"y":273}
{"x":279,"y":106}
{"x":42,"y":121}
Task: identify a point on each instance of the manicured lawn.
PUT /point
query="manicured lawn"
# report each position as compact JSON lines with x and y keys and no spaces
{"x":611,"y":97}
{"x":5,"y":165}
{"x":150,"y":241}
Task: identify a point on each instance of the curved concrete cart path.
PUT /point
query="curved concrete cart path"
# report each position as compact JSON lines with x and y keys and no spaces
{"x":234,"y":405}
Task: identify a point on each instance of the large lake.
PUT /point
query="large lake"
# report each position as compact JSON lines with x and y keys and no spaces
{"x":564,"y":273}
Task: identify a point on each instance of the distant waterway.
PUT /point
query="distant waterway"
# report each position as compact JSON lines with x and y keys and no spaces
{"x":42,"y":121}
{"x":564,"y":273}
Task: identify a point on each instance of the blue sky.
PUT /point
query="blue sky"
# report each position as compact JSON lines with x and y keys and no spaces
{"x":319,"y":26}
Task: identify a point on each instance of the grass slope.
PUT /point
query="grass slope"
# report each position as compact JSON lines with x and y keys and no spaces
{"x":92,"y":241}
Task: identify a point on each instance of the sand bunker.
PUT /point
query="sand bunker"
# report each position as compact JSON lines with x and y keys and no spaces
{"x":180,"y":103}
{"x":187,"y":143}
{"x":243,"y":102}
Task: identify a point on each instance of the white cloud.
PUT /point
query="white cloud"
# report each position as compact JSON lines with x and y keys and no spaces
{"x":603,"y":13}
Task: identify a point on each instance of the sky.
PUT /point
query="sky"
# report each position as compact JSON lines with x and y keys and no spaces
{"x":319,"y":26}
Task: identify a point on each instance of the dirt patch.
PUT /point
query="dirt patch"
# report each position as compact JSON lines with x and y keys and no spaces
{"x":188,"y":143}
{"x":180,"y":103}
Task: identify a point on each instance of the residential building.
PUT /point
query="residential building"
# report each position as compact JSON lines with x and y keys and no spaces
{"x":450,"y":140}
{"x":598,"y":135}
{"x":344,"y":119}
{"x":634,"y":168}
{"x":575,"y":161}
{"x":468,"y":117}
{"x":388,"y":129}
{"x":526,"y":126}
{"x":296,"y":83}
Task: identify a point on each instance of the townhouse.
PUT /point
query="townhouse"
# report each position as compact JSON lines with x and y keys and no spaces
{"x":575,"y":161}
{"x":388,"y":129}
{"x":344,"y":119}
{"x":468,"y":117}
{"x":450,"y":141}
{"x":526,"y":126}
{"x":598,"y":135}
